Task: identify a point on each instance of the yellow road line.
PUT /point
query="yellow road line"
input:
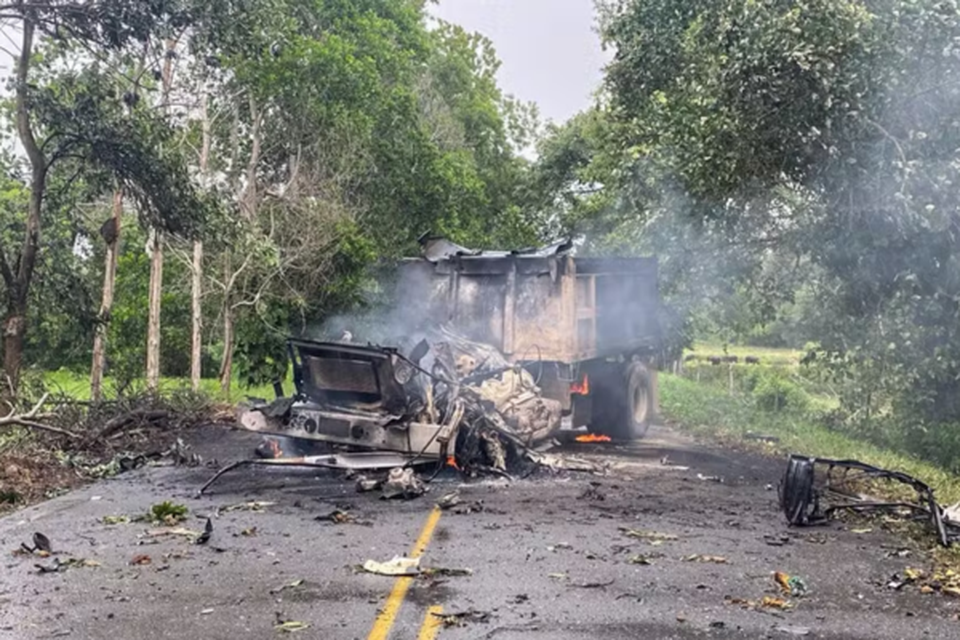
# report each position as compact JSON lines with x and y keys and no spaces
{"x":387,"y":616}
{"x":431,"y":624}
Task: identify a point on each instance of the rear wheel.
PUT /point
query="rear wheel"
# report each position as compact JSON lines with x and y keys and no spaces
{"x":623,"y":403}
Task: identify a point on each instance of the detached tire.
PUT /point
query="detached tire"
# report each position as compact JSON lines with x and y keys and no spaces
{"x":623,"y":406}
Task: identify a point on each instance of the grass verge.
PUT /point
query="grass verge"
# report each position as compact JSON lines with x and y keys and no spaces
{"x":77,"y":386}
{"x":709,"y":411}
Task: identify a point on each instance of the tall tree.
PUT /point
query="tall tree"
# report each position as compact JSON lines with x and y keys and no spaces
{"x":78,"y":118}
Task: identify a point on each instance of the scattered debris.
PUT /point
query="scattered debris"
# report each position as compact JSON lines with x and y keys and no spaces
{"x":289,"y":585}
{"x":337,"y":516}
{"x":112,"y":520}
{"x":365,"y":485}
{"x":41,"y":543}
{"x":403,"y":483}
{"x":701,"y":558}
{"x":592,"y":585}
{"x":644,"y":559}
{"x":167,"y":513}
{"x":653,"y":536}
{"x":436,"y":572}
{"x":449,"y":500}
{"x":398,"y":566}
{"x":61,"y":565}
{"x":249,"y":532}
{"x":459,"y":619}
{"x":141,"y":559}
{"x":204,"y":537}
{"x":946,"y":582}
{"x":841,"y":483}
{"x":704,"y":478}
{"x":790,"y":585}
{"x":767,"y":602}
{"x":289,"y":626}
{"x":256,"y":505}
{"x":470,"y":507}
{"x":794,"y":631}
{"x":592,"y":492}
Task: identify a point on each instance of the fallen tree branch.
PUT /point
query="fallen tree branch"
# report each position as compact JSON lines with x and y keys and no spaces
{"x":31,"y":418}
{"x":30,"y":424}
{"x":119,"y":423}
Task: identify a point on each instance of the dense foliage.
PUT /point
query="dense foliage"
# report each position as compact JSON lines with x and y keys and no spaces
{"x":300,"y":140}
{"x":795,"y":164}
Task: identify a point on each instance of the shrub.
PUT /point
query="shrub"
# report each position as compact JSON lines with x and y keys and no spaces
{"x":775,"y":392}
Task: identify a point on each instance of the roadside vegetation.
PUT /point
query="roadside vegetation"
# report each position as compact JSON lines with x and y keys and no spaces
{"x":779,"y":409}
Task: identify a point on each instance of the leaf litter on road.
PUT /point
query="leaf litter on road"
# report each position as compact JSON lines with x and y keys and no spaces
{"x":696,"y":557}
{"x":654,"y":536}
{"x":289,"y":585}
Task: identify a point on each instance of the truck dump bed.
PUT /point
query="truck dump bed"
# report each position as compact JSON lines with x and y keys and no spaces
{"x":541,"y":306}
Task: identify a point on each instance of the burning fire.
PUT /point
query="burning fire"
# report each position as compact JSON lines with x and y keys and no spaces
{"x":452,"y":462}
{"x":581,"y":388}
{"x":592,"y":437}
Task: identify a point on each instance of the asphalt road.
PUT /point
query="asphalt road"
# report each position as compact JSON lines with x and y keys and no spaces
{"x":549,"y":558}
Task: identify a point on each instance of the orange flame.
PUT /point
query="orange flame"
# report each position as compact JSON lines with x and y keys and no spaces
{"x":452,"y":462}
{"x":592,"y":437}
{"x":582,"y":388}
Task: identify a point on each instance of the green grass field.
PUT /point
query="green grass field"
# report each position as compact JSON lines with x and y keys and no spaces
{"x":767,"y":356}
{"x":77,"y":386}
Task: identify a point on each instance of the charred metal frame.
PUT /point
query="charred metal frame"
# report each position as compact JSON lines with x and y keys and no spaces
{"x":801,"y":494}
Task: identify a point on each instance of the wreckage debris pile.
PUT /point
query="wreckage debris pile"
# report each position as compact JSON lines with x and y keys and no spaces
{"x":503,"y":410}
{"x":813,"y":489}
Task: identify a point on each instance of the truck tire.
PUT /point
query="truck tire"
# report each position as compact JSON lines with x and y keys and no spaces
{"x":623,"y":408}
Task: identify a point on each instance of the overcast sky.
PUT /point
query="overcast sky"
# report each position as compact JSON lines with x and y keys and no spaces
{"x":550,"y":51}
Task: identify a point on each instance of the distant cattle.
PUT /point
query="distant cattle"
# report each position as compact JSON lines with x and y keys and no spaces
{"x":731,"y":359}
{"x":715,"y":360}
{"x":752,"y":360}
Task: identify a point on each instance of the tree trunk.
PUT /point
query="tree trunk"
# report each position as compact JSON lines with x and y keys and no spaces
{"x":156,"y":255}
{"x":18,"y":273}
{"x":153,"y":317}
{"x":196,"y":338}
{"x":106,"y":304}
{"x":14,"y":330}
{"x":226,"y":363}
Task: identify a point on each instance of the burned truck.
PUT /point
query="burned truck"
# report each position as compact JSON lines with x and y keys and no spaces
{"x":503,"y":349}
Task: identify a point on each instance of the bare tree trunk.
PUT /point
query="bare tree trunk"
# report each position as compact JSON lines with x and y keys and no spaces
{"x":196,"y":341}
{"x":226,"y":364}
{"x":248,"y":207}
{"x":153,"y":311}
{"x":18,"y":273}
{"x":156,"y":255}
{"x":106,"y":304}
{"x":196,"y":337}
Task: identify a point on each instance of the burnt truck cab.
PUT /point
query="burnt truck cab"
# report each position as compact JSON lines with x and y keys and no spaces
{"x":368,"y":397}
